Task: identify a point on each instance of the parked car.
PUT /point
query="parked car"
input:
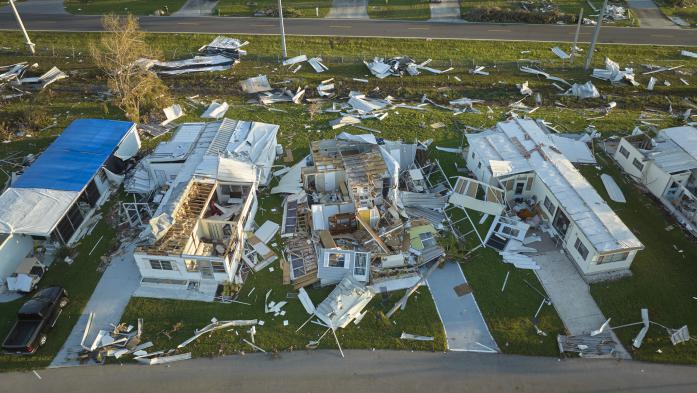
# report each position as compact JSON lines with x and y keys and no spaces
{"x":27,"y":276}
{"x":36,"y":317}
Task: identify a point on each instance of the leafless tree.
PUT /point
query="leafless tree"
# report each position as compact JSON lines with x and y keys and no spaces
{"x":117,"y":53}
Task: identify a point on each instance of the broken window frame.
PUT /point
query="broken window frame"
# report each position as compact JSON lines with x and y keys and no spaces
{"x":218,"y":267}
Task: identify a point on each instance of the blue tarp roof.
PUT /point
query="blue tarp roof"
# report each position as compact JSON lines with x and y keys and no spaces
{"x":73,"y":159}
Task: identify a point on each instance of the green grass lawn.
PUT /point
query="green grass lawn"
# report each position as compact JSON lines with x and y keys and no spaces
{"x":291,"y":8}
{"x":663,"y":274}
{"x":688,"y":11}
{"x":566,"y":7}
{"x":507,"y":313}
{"x":79,"y":279}
{"x":399,"y":9}
{"x":135,"y":7}
{"x":374,"y":331}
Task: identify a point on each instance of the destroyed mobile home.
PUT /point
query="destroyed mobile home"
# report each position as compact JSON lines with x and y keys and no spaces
{"x":204,"y":183}
{"x":667,"y":166}
{"x":56,"y":198}
{"x":359,"y":208}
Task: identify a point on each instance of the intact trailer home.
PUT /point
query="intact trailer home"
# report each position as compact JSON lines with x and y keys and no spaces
{"x":527,"y":163}
{"x":54,"y":200}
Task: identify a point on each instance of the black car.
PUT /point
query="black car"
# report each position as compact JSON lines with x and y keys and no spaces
{"x":34,"y":319}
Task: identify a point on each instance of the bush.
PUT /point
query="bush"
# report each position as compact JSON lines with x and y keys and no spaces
{"x":517,"y":16}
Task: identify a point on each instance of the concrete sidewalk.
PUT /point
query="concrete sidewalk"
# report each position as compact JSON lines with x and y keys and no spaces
{"x":464,"y":324}
{"x":109,"y":300}
{"x":349,"y":9}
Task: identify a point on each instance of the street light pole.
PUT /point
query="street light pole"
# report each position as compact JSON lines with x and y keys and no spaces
{"x":21,"y":25}
{"x":596,"y":33}
{"x":578,"y":30}
{"x":283,"y":30}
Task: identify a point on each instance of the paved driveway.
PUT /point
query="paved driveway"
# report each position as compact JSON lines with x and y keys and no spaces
{"x":650,"y":15}
{"x":349,"y":9}
{"x":446,"y":10}
{"x":464,"y":325}
{"x":108,"y":302}
{"x":37,"y":7}
{"x":197,"y":8}
{"x":570,"y":294}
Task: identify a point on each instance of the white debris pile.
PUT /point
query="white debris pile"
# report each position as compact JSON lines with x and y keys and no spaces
{"x":172,"y":113}
{"x":326,"y":88}
{"x":314,"y":62}
{"x":465,"y":105}
{"x":225,"y":46}
{"x":478,"y":70}
{"x":519,"y":260}
{"x":215,"y":110}
{"x":360,"y":107}
{"x":399,"y":66}
{"x":534,"y":71}
{"x":194,"y":64}
{"x":266,"y":95}
{"x":13,"y":72}
{"x":124,"y":340}
{"x":614,"y":74}
{"x":216,"y":325}
{"x":615,"y":13}
{"x":583,"y":90}
{"x":15,"y":75}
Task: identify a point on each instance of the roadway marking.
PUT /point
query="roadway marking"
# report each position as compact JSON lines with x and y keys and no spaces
{"x":662,"y":35}
{"x":187,"y":23}
{"x":417,"y":28}
{"x":500,"y":30}
{"x":340,"y":27}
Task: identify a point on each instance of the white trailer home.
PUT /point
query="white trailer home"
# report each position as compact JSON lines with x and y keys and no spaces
{"x":54,"y":200}
{"x":528,"y":163}
{"x":667,"y":167}
{"x":197,"y":235}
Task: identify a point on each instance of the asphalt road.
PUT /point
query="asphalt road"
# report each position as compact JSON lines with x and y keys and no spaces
{"x":363,"y":371}
{"x":364,"y":28}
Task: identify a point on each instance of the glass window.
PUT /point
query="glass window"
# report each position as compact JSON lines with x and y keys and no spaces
{"x":618,"y":257}
{"x":638,"y":164}
{"x":162,"y":265}
{"x":360,"y":268}
{"x":549,"y":205}
{"x":298,"y":265}
{"x":624,"y":152}
{"x":337,"y":260}
{"x":581,"y":248}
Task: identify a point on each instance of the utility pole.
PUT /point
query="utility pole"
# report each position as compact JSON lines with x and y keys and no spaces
{"x":21,"y":25}
{"x":596,"y":33}
{"x":283,"y":30}
{"x":578,"y":31}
